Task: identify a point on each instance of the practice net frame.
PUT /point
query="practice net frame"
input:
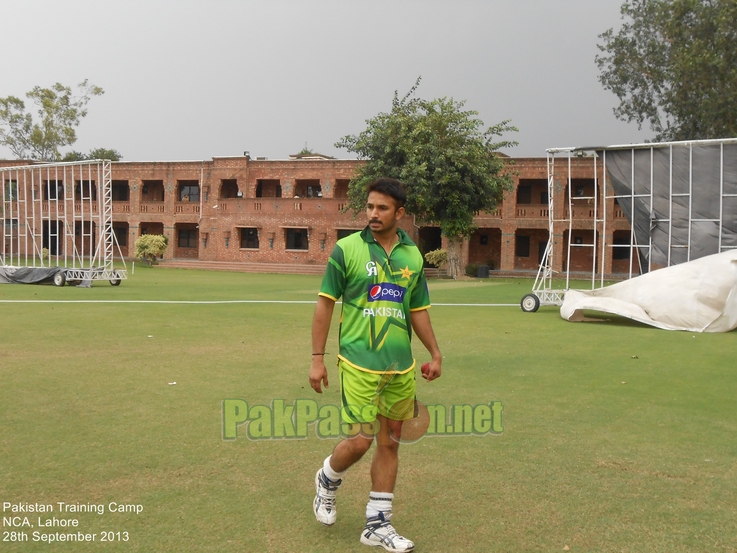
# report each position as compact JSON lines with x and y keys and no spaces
{"x":680,"y":199}
{"x":60,"y":215}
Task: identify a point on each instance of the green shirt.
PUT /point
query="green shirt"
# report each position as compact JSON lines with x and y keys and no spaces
{"x":379,"y":292}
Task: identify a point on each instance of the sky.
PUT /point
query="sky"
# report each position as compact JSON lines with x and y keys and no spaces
{"x":196,"y":79}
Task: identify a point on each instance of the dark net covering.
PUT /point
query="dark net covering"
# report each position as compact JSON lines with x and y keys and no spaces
{"x":683,"y":197}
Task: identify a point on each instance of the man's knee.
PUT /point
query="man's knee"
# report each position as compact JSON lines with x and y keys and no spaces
{"x":359,"y":443}
{"x":391,"y":431}
{"x":388,"y":444}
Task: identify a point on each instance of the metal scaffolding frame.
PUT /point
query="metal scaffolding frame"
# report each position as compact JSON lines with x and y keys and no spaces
{"x":639,"y":204}
{"x":60,"y":215}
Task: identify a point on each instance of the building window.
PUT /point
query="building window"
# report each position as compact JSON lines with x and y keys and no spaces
{"x":121,"y":192}
{"x":524,"y":194}
{"x":228,"y":188}
{"x":544,"y":198}
{"x":189,"y":191}
{"x":152,"y":191}
{"x":307,"y":188}
{"x":11,"y":225}
{"x":268,"y":188}
{"x":522,"y":246}
{"x":85,"y":190}
{"x":297,"y":239}
{"x":581,"y":188}
{"x":622,"y":245}
{"x":249,"y":238}
{"x":343,"y":232}
{"x":152,"y":228}
{"x":121,"y":235}
{"x":341,"y":188}
{"x":187,"y":238}
{"x":53,"y":190}
{"x":11,"y":190}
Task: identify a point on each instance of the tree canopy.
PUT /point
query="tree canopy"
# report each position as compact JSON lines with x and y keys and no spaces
{"x":59,"y":113}
{"x":441,"y":152}
{"x":673,"y":64}
{"x":97,"y":153}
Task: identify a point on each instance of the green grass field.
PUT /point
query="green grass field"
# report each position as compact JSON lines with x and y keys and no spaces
{"x":617,"y":437}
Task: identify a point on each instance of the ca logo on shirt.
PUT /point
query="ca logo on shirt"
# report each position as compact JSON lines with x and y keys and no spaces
{"x":371,"y":269}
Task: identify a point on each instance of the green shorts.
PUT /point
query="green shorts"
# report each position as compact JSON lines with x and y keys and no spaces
{"x":365,"y":395}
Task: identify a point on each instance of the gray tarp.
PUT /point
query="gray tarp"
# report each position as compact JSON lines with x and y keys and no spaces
{"x":28,"y":275}
{"x":690,"y":193}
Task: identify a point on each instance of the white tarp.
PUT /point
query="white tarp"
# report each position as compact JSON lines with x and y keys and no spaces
{"x":698,"y":296}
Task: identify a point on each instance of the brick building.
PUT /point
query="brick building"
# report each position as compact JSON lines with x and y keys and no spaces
{"x":238,"y":209}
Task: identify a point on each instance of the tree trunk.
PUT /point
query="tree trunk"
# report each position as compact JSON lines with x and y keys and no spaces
{"x":454,"y":256}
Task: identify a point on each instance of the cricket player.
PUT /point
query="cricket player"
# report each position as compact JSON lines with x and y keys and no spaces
{"x":378,"y":273}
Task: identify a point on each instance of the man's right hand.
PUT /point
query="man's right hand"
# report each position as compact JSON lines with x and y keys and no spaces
{"x":318,"y":374}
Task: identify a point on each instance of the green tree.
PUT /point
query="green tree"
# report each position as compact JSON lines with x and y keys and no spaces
{"x":105,"y":153}
{"x":59,"y":113}
{"x":673,"y":64}
{"x":446,"y":160}
{"x":74,"y":155}
{"x":97,"y":153}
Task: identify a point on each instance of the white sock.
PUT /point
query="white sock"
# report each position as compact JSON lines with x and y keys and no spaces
{"x":329,"y":472}
{"x":379,"y":502}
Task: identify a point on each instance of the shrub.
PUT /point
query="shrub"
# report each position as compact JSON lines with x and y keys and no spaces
{"x":151,"y":246}
{"x":472,"y":270}
{"x":437,"y":257}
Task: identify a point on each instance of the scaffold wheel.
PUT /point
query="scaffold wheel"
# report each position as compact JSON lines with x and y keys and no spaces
{"x":60,"y":278}
{"x":530,"y":303}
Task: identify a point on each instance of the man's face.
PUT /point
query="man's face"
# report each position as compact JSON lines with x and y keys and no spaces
{"x":382,"y":212}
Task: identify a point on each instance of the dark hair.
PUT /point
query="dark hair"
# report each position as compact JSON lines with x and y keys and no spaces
{"x":389,"y":187}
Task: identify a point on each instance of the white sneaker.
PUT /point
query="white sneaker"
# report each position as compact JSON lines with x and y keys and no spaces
{"x":380,"y":532}
{"x":324,"y":504}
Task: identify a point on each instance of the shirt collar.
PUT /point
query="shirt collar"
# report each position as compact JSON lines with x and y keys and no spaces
{"x":403,"y":236}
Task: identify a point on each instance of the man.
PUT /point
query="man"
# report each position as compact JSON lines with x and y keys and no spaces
{"x":378,"y":272}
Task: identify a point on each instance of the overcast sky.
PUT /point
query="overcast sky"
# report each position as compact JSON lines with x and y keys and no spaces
{"x":194,"y":79}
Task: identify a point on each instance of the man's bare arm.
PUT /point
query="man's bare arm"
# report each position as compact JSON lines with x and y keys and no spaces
{"x":423,"y":329}
{"x":320,"y":329}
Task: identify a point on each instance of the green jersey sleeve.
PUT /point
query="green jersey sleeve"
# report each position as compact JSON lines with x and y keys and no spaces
{"x":333,"y":282}
{"x":420,"y":298}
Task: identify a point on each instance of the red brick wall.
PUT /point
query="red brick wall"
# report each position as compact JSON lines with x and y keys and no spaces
{"x":221,"y":218}
{"x":489,"y":253}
